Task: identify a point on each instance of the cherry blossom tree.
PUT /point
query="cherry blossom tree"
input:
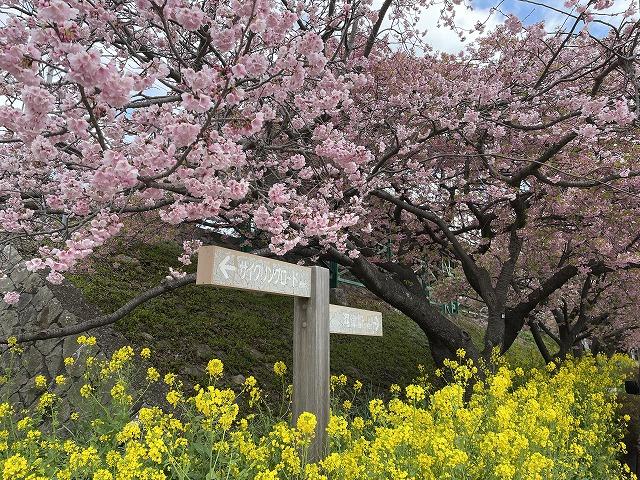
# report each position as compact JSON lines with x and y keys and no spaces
{"x":321,"y":131}
{"x":601,"y":310}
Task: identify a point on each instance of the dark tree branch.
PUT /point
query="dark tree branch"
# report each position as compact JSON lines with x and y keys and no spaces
{"x":549,"y":332}
{"x":106,"y":319}
{"x":537,"y":337}
{"x":534,"y":166}
{"x":376,"y":27}
{"x":478,"y":278}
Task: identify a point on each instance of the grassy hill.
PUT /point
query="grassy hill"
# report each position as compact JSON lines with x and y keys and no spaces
{"x":250,"y":331}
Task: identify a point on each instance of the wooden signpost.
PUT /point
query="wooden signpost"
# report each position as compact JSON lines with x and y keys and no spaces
{"x":313,"y":320}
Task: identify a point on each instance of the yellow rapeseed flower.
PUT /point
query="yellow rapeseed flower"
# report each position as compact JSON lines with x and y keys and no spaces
{"x":170,"y":379}
{"x":15,"y":466}
{"x":14,"y":347}
{"x":46,"y":400}
{"x":86,"y":390}
{"x":25,"y":423}
{"x":215,"y":368}
{"x":173,"y":397}
{"x":152,"y":374}
{"x":102,"y":474}
{"x":40,"y":381}
{"x":561,"y":424}
{"x":280,"y":368}
{"x":84,"y":340}
{"x":306,"y":423}
{"x":415,"y":393}
{"x":6,"y":409}
{"x":119,"y":392}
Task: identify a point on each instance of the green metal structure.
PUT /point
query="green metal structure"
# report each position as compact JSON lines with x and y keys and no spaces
{"x":335,"y":279}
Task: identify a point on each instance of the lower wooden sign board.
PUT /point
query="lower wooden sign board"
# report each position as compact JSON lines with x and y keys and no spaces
{"x":354,"y":321}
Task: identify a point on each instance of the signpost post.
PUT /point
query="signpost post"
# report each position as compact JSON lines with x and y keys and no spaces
{"x":311,"y":358}
{"x":313,"y":320}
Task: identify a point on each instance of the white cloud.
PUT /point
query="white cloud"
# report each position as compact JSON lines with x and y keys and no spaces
{"x":443,"y":39}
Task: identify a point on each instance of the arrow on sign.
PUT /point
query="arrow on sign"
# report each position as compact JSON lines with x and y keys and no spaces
{"x":225,"y":268}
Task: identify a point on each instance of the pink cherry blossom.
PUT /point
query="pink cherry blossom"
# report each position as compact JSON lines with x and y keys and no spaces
{"x":254,"y":64}
{"x":34,"y":265}
{"x":513,"y":24}
{"x":278,"y":193}
{"x":57,"y":11}
{"x":116,"y":90}
{"x":239,"y":70}
{"x":11,"y":298}
{"x":37,"y":101}
{"x":115,"y":173}
{"x":190,"y":18}
{"x":85,"y":67}
{"x":183,"y":134}
{"x":200,"y":104}
{"x":237,"y":190}
{"x":297,"y":162}
{"x":298,"y":128}
{"x":55,"y":277}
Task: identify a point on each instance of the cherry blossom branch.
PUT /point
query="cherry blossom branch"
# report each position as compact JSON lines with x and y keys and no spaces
{"x":587,"y":182}
{"x":477,"y":276}
{"x":547,"y":67}
{"x":535,"y":165}
{"x":92,"y":117}
{"x":534,"y":326}
{"x":549,"y":332}
{"x":153,"y":101}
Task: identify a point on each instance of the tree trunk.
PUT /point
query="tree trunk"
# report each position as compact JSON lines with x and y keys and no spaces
{"x":494,"y":335}
{"x":445,"y":337}
{"x":439,"y":351}
{"x":514,"y":323}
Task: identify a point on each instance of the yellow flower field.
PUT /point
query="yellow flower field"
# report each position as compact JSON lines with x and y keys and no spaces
{"x":487,"y":424}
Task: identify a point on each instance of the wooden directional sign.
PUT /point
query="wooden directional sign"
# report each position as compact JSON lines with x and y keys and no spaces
{"x":313,"y":319}
{"x":230,"y":268}
{"x":354,"y":321}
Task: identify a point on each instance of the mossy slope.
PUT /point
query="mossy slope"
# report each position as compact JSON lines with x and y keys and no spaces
{"x":249,"y":331}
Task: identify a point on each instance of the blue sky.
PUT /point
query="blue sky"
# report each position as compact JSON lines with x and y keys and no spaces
{"x":445,"y":40}
{"x":520,"y":9}
{"x":535,"y":13}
